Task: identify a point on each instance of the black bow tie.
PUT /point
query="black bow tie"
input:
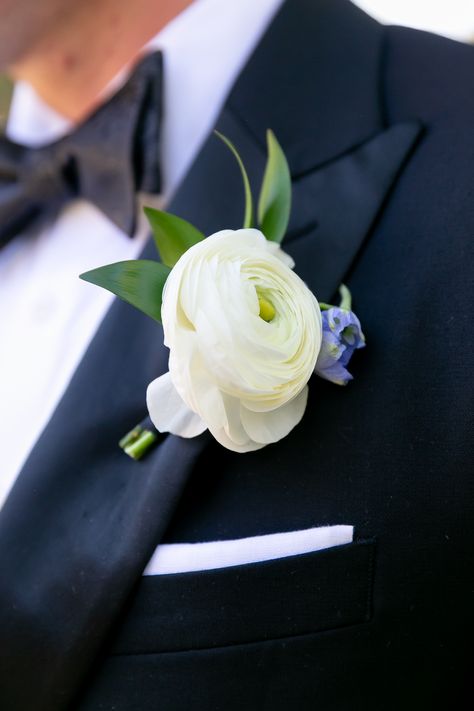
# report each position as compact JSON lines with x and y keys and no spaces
{"x":106,"y":160}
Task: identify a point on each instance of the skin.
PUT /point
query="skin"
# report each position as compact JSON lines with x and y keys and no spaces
{"x":69,"y":50}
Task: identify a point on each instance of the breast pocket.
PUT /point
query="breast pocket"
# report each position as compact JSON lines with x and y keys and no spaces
{"x":286,"y":597}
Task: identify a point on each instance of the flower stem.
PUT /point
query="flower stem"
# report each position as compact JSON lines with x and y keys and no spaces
{"x":138,"y":441}
{"x":130,"y":437}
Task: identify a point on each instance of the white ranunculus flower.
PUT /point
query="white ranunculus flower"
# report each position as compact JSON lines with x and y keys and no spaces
{"x":244,"y":333}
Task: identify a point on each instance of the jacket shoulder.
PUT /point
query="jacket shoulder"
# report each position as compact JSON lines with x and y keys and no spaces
{"x":430,"y":73}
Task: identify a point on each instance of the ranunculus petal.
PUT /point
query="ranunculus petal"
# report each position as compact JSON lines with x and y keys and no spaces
{"x":275,"y":249}
{"x":267,"y":427}
{"x":168,"y":412}
{"x":223,"y":438}
{"x":233,"y":426}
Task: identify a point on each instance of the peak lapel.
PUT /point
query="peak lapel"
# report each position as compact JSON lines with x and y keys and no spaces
{"x":335,"y":206}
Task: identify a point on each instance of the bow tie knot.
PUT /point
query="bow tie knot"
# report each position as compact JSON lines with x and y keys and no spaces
{"x":106,"y":160}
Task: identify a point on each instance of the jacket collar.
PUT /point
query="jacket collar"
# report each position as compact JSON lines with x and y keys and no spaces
{"x":315,"y":80}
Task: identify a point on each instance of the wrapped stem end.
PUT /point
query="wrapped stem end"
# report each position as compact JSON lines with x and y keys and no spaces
{"x":138,"y":441}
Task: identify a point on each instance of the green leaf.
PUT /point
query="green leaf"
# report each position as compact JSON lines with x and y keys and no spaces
{"x":274,"y":203}
{"x":173,"y":235}
{"x":139,"y":282}
{"x":248,"y":214}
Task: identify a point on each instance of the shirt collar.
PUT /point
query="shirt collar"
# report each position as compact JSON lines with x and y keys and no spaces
{"x":205,"y":48}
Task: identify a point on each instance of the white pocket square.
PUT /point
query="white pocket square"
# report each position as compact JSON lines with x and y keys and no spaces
{"x":187,"y":557}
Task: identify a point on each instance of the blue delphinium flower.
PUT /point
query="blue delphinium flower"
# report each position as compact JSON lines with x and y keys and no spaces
{"x":342,"y":335}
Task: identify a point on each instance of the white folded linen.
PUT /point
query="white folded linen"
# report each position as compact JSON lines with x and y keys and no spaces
{"x":186,"y":557}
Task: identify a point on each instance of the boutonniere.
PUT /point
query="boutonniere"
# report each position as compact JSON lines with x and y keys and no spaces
{"x":244,"y":332}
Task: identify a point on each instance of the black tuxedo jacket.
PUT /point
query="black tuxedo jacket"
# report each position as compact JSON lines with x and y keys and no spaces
{"x":377,"y":126}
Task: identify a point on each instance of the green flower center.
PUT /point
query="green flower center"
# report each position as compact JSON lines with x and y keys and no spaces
{"x":267,"y":310}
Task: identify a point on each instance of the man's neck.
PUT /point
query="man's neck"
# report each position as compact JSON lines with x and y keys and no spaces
{"x":71,"y":68}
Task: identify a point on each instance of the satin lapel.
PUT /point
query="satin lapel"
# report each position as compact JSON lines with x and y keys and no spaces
{"x":336,"y":206}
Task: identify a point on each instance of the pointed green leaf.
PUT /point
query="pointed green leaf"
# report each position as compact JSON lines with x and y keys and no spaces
{"x":248,"y":214}
{"x":140,"y":282}
{"x":275,"y":195}
{"x":173,"y":235}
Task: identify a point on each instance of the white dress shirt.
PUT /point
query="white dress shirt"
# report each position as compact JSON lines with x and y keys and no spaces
{"x":47,"y":315}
